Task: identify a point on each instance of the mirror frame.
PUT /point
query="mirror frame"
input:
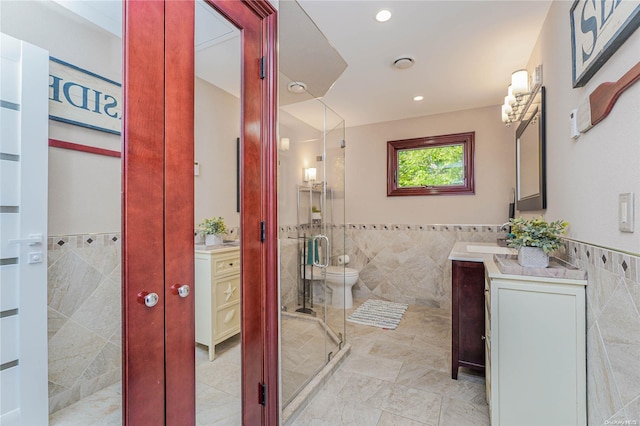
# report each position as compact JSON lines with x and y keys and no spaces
{"x":537,"y":201}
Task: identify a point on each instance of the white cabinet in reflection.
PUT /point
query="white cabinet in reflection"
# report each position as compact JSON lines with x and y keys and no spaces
{"x":217,"y":295}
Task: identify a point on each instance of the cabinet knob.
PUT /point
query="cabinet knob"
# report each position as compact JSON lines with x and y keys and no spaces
{"x":483,"y":337}
{"x":181,"y":290}
{"x":148,"y":299}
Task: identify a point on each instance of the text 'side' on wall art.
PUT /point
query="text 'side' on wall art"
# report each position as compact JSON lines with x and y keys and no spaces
{"x":598,"y":29}
{"x":83,"y":98}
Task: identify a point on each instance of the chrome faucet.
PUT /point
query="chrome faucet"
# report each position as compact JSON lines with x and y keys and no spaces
{"x":505,"y":226}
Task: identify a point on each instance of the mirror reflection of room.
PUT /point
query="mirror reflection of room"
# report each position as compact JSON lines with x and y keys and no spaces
{"x":217,"y":219}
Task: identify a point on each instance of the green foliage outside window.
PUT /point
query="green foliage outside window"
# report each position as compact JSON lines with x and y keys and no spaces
{"x":434,"y":166}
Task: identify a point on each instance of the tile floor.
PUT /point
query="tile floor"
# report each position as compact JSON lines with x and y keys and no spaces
{"x":305,"y":347}
{"x":392,"y":377}
{"x":400,"y":377}
{"x":217,"y":394}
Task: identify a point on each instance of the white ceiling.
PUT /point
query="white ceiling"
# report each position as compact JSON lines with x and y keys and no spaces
{"x":465,"y":52}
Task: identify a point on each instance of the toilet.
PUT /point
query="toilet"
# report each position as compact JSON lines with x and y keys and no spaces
{"x":340,"y":280}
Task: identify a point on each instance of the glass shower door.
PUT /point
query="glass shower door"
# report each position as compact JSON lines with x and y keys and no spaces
{"x":333,"y":231}
{"x":311,"y":214}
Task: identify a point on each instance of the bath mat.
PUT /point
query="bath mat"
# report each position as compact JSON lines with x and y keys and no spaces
{"x":379,"y":313}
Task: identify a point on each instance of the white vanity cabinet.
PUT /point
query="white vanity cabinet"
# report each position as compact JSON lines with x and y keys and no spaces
{"x":535,"y":337}
{"x":217,"y":295}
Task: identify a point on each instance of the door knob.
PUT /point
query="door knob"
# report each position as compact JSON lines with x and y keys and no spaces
{"x":181,"y":290}
{"x":148,"y":299}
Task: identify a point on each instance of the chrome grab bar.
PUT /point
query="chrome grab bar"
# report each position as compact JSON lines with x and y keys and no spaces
{"x":326,"y":248}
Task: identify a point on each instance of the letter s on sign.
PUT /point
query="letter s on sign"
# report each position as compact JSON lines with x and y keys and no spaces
{"x":112,"y":104}
{"x":588,"y":25}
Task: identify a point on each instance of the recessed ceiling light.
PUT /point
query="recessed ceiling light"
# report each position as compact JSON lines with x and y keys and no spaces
{"x":383,"y":16}
{"x":297,"y":87}
{"x":418,"y":98}
{"x":403,"y":62}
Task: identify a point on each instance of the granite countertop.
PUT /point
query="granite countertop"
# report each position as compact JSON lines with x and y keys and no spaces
{"x":508,"y":264}
{"x":470,"y":251}
{"x":226,"y":246}
{"x":502,"y":262}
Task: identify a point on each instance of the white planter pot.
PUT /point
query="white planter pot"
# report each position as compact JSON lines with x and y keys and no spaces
{"x":533,"y":257}
{"x":212,"y":240}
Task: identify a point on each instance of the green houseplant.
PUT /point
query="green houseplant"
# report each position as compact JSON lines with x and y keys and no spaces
{"x":535,"y":239}
{"x":213,"y":228}
{"x":316,"y":214}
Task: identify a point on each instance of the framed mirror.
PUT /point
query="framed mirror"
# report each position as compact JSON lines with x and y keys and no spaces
{"x":530,"y":156}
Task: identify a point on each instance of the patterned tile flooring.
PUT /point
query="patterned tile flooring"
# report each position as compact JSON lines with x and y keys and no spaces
{"x":392,"y":377}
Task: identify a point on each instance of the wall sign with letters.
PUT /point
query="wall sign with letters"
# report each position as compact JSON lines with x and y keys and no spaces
{"x":598,"y":29}
{"x":82,"y":98}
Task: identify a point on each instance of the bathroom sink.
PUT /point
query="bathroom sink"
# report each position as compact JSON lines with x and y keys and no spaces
{"x":490,"y":249}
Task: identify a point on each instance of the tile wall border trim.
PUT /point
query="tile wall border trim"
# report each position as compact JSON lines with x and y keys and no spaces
{"x":62,"y":242}
{"x":620,"y":263}
{"x":401,"y":227}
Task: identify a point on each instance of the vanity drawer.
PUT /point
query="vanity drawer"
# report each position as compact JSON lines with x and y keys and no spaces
{"x":227,"y":322}
{"x":225,"y":264}
{"x":227,"y":291}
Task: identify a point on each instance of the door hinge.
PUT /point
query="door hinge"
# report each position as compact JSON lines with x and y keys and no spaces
{"x":263,"y":231}
{"x":262,"y":394}
{"x":263,"y":68}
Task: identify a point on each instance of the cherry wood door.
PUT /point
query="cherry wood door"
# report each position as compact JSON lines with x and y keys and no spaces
{"x":179,"y":71}
{"x":158,"y":257}
{"x":258,"y":221}
{"x":143,"y":384}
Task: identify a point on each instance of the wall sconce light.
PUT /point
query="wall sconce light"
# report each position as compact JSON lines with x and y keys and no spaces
{"x":519,"y":94}
{"x":284,"y":144}
{"x":309,"y":174}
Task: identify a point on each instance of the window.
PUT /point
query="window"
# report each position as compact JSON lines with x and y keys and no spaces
{"x":435,"y":165}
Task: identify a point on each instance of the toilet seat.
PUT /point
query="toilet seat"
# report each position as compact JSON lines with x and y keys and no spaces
{"x":339,"y":270}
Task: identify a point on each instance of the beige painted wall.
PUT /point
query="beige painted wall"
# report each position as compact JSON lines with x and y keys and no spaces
{"x":366,"y":176}
{"x":586,"y":175}
{"x":84,"y":189}
{"x":217,"y":120}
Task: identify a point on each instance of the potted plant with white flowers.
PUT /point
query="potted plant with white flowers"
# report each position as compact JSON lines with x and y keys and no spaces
{"x":213,"y":228}
{"x":535,"y":239}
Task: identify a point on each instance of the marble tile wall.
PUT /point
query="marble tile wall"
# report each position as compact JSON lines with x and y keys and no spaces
{"x":84,"y":316}
{"x":613,"y":332}
{"x":398,"y":262}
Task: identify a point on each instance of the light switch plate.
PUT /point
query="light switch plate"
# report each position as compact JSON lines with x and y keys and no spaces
{"x":625,"y":212}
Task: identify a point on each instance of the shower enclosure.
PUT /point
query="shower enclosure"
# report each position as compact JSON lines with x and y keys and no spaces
{"x":312,"y":236}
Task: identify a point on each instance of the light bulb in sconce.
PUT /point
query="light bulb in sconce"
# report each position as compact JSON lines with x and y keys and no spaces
{"x":309,"y":174}
{"x":520,"y":82}
{"x":505,"y":114}
{"x":512,"y":99}
{"x":284,"y":144}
